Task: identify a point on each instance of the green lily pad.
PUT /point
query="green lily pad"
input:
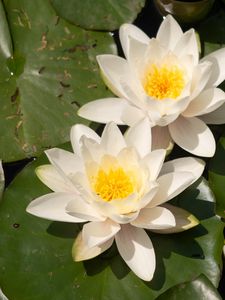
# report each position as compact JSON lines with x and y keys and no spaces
{"x":199,"y":289}
{"x":217,"y":176}
{"x":50,"y":72}
{"x":98,"y":15}
{"x":35,"y":254}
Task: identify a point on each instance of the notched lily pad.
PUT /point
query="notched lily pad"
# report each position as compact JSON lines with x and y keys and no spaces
{"x":50,"y":73}
{"x":98,"y":15}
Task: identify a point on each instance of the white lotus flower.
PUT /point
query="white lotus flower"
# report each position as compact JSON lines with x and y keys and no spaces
{"x":163,"y":79}
{"x":117,"y":185}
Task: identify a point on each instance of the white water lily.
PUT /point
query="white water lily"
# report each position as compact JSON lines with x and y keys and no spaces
{"x":117,"y":185}
{"x":163,"y":79}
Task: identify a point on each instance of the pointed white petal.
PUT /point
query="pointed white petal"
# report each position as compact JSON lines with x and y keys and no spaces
{"x":112,"y":211}
{"x":170,"y":113}
{"x":79,"y":208}
{"x":91,"y":151}
{"x":49,"y":175}
{"x":187,"y":45}
{"x":169,"y":32}
{"x":79,"y":130}
{"x":193,"y":135}
{"x":81,"y":251}
{"x":154,"y":161}
{"x":64,"y":161}
{"x":136,"y":249}
{"x":215,"y":117}
{"x":131,"y":115}
{"x":148,"y":196}
{"x":112,"y":139}
{"x":170,"y":185}
{"x":184,"y":164}
{"x":200,"y":78}
{"x":114,"y":69}
{"x":97,"y":233}
{"x":104,"y":110}
{"x":128,"y":32}
{"x":3,"y":296}
{"x":161,"y":138}
{"x":183,"y":219}
{"x":206,"y":102}
{"x":217,"y":58}
{"x":139,"y":137}
{"x":52,"y":207}
{"x":137,"y":50}
{"x":155,"y":218}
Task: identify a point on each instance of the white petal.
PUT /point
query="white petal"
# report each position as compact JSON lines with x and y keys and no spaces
{"x":2,"y":296}
{"x":112,"y":211}
{"x":131,"y":115}
{"x":161,"y":138}
{"x":123,"y":219}
{"x":91,"y":151}
{"x":217,"y":58}
{"x":169,"y":32}
{"x":128,"y":32}
{"x":97,"y":233}
{"x":200,"y":78}
{"x":139,"y":137}
{"x":206,"y":102}
{"x":79,"y":208}
{"x":215,"y":117}
{"x":136,"y":249}
{"x":137,"y":50}
{"x":170,"y":185}
{"x":52,"y":207}
{"x":184,"y":164}
{"x":114,"y":69}
{"x":79,"y":130}
{"x":104,"y":110}
{"x":49,"y":175}
{"x":148,"y":195}
{"x":193,"y":135}
{"x":170,"y":113}
{"x":81,"y":251}
{"x":112,"y":139}
{"x":154,"y":161}
{"x":183,"y":219}
{"x":187,"y":45}
{"x":64,"y":161}
{"x":155,"y":218}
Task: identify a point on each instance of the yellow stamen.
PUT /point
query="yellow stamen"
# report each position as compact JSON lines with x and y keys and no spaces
{"x":163,"y":82}
{"x":115,"y":184}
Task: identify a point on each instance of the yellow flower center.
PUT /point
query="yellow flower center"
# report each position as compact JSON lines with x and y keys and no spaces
{"x":115,"y":184}
{"x":166,"y":81}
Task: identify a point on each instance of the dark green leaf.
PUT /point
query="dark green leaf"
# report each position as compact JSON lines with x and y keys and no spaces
{"x":98,"y":15}
{"x":51,"y":73}
{"x":199,"y":289}
{"x":35,"y":254}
